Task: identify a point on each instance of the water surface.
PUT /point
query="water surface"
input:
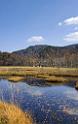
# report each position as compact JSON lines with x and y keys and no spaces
{"x":56,"y":104}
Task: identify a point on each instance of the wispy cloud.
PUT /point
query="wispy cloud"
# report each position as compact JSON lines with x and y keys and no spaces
{"x":35,"y":39}
{"x":71,"y":37}
{"x":69,"y":21}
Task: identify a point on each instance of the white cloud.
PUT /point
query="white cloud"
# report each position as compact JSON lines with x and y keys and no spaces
{"x":71,"y":21}
{"x":35,"y":39}
{"x":71,"y":37}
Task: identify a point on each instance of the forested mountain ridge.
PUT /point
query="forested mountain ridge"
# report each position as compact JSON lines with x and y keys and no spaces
{"x":42,"y":55}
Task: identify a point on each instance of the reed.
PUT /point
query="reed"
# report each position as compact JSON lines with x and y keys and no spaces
{"x":10,"y":114}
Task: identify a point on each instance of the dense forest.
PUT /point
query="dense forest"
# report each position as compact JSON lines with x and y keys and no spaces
{"x":42,"y":55}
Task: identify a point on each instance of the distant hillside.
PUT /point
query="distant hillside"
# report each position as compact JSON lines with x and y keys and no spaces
{"x":43,"y":55}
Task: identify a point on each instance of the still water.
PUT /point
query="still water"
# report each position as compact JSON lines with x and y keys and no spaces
{"x":56,"y":104}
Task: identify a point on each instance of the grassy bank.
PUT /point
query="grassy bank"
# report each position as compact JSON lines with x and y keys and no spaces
{"x":47,"y":73}
{"x":10,"y":114}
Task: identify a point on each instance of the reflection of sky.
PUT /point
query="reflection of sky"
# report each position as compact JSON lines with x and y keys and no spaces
{"x":72,"y":94}
{"x":47,"y":104}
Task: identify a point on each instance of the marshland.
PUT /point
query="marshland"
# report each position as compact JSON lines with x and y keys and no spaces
{"x":39,"y":72}
{"x":40,"y":94}
{"x":38,"y":61}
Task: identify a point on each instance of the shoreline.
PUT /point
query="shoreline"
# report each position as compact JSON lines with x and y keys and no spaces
{"x":46,"y":73}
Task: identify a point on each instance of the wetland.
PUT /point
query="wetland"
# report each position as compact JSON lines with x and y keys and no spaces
{"x":46,"y":103}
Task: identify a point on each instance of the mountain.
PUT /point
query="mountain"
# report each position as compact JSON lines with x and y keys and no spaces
{"x":43,"y":55}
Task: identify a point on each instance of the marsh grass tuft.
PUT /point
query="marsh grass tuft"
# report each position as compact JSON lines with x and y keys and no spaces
{"x":10,"y":114}
{"x":16,"y":78}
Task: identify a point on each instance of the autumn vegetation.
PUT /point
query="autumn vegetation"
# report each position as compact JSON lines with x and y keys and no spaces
{"x":47,"y":73}
{"x":10,"y":114}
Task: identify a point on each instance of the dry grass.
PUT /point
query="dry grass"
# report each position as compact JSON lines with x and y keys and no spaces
{"x":47,"y":73}
{"x":56,"y":79}
{"x":10,"y":114}
{"x":16,"y":78}
{"x":32,"y":71}
{"x":76,"y":86}
{"x":38,"y":70}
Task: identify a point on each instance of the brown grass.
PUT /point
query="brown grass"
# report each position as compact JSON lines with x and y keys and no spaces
{"x":10,"y":114}
{"x":47,"y":73}
{"x":56,"y":79}
{"x":34,"y":71}
{"x":76,"y":85}
{"x":16,"y":78}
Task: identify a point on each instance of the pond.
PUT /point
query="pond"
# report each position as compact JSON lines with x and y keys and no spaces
{"x":56,"y":104}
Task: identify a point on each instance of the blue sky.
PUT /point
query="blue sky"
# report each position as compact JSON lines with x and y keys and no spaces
{"x":29,"y":22}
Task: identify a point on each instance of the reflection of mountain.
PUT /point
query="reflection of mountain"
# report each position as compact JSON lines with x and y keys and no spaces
{"x":43,"y":55}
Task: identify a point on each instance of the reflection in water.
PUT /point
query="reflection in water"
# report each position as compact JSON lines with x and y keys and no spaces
{"x":48,"y":105}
